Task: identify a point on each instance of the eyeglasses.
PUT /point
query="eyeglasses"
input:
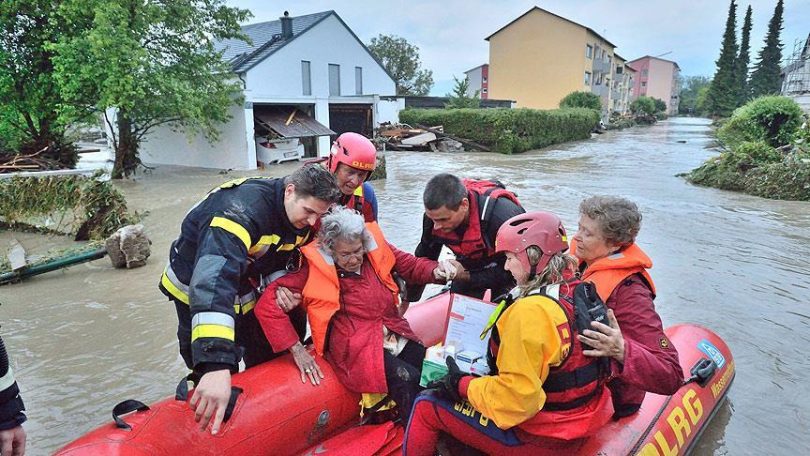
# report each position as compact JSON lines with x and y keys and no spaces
{"x":342,"y":257}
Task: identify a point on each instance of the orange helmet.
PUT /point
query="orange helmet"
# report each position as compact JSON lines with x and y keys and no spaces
{"x":354,"y":150}
{"x":543,"y":230}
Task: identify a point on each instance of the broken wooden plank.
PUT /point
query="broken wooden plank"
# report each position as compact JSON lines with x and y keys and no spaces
{"x":420,"y":139}
{"x":289,"y":119}
{"x":16,"y":255}
{"x":466,"y":142}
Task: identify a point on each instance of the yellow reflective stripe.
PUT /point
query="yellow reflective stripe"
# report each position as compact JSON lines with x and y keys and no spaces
{"x":493,"y":318}
{"x":233,"y":228}
{"x":248,"y":306}
{"x":269,"y":240}
{"x":234,"y":182}
{"x":299,"y":240}
{"x":171,"y":288}
{"x":264,"y":243}
{"x":274,"y":239}
{"x":216,"y":331}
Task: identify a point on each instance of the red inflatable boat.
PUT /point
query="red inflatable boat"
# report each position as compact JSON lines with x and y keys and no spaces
{"x":278,"y":415}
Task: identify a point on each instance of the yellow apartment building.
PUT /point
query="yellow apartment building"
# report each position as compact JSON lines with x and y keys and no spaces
{"x":540,"y":57}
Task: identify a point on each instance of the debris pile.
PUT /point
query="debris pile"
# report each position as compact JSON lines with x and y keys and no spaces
{"x":27,"y":162}
{"x":422,"y":138}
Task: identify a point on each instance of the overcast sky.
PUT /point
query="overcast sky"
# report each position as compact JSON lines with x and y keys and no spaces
{"x":450,"y":33}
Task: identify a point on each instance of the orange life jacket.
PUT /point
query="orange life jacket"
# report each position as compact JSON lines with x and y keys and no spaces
{"x":608,"y":272}
{"x":321,"y":293}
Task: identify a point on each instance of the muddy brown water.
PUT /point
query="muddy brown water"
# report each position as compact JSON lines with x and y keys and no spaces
{"x":90,"y":336}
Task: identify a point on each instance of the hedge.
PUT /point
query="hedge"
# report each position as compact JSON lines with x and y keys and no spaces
{"x":507,"y":130}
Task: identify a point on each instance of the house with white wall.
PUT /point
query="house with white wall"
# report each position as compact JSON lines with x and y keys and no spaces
{"x":307,"y":77}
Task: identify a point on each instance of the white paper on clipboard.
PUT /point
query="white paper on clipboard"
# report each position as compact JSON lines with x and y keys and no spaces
{"x":467,"y":318}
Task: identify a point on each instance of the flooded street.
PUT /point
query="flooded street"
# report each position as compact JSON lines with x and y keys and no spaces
{"x":88,"y":337}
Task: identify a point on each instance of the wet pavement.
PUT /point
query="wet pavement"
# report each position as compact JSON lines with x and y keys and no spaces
{"x":88,"y":337}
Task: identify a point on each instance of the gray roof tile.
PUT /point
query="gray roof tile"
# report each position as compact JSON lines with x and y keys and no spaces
{"x":242,"y":56}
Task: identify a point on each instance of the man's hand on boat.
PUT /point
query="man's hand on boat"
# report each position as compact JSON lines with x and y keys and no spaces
{"x":210,"y":398}
{"x":306,"y":364}
{"x":447,"y":270}
{"x":286,"y":299}
{"x":606,"y":340}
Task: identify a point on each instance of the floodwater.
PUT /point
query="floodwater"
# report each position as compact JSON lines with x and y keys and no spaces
{"x":88,"y":337}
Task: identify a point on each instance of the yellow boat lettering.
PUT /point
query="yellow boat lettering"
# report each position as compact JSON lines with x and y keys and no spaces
{"x":682,"y":420}
{"x":722,"y":382}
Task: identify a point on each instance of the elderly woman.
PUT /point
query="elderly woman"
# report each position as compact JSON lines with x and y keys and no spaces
{"x":351,"y":300}
{"x":643,"y":359}
{"x":543,"y":395}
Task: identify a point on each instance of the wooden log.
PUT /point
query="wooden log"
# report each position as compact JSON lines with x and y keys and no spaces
{"x":466,"y":142}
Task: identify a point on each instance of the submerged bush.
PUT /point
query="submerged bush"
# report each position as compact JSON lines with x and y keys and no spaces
{"x":84,"y":207}
{"x":509,"y":130}
{"x":771,"y":119}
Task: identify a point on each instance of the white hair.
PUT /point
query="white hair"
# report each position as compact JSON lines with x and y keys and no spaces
{"x":343,"y":224}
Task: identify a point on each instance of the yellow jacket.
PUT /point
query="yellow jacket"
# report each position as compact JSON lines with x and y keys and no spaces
{"x":532,"y":331}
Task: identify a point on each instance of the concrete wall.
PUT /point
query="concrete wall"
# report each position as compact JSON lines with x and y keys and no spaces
{"x":168,"y":147}
{"x":538,"y":60}
{"x":388,"y":110}
{"x":475,"y":78}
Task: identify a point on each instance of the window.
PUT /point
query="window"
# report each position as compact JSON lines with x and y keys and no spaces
{"x":484,"y":90}
{"x":589,"y":51}
{"x":644,"y":84}
{"x":619,"y":69}
{"x":587,"y":78}
{"x":484,"y":80}
{"x":358,"y":80}
{"x":334,"y":80}
{"x":645,"y":72}
{"x":306,"y":78}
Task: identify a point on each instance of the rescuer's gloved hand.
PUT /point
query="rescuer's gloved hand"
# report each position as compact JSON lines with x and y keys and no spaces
{"x":448,"y":385}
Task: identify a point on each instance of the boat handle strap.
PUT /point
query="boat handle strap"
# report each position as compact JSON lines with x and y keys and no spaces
{"x":127,"y":406}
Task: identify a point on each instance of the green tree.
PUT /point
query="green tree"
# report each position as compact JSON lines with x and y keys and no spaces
{"x":690,"y":90}
{"x":766,"y":79}
{"x":700,"y":101}
{"x":743,"y":59}
{"x":459,"y":98}
{"x":151,"y":63}
{"x":29,"y":96}
{"x":660,"y":105}
{"x":643,"y":106}
{"x":582,"y":99}
{"x":722,"y":97}
{"x":402,"y":61}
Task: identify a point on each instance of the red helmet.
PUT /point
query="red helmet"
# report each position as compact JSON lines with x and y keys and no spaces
{"x":355,"y":150}
{"x":543,"y":230}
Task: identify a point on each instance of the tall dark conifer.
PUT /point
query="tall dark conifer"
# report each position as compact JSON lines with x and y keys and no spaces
{"x":766,"y":79}
{"x":743,"y":91}
{"x":722,"y":97}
